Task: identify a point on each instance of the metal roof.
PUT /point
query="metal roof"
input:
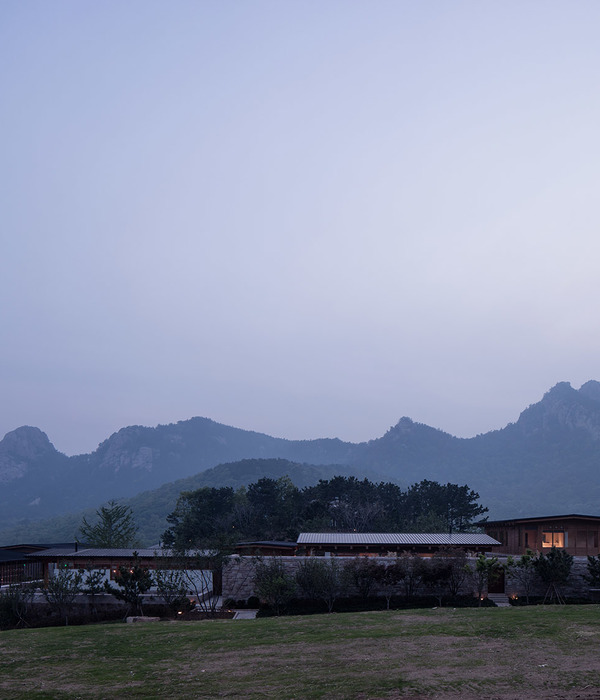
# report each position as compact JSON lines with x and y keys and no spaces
{"x":29,"y":547}
{"x":267,"y":543}
{"x":117,"y":553}
{"x":397,"y":538}
{"x":539,"y":518}
{"x":90,"y":553}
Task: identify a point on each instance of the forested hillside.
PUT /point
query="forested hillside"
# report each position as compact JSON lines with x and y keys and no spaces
{"x":545,"y":462}
{"x":151,"y":508}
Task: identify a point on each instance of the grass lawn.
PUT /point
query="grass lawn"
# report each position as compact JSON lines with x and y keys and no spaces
{"x":500,"y":653}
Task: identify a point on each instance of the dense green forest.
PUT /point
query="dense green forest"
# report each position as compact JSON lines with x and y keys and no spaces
{"x":276,"y":509}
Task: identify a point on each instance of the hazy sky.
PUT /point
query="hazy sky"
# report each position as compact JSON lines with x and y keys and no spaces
{"x":302,"y":217}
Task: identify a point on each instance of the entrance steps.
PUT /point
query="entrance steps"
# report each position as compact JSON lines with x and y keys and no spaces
{"x":500,"y":599}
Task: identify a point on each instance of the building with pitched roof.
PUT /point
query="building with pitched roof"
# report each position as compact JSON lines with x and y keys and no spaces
{"x":390,"y":543}
{"x":577,"y":534}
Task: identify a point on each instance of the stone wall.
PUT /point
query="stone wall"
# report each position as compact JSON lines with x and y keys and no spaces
{"x":238,"y":577}
{"x":576,"y":587}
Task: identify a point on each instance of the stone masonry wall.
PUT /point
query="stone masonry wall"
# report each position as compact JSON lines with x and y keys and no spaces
{"x":576,"y":587}
{"x":238,"y":577}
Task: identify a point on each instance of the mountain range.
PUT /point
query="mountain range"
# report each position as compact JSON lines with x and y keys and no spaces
{"x":545,"y":462}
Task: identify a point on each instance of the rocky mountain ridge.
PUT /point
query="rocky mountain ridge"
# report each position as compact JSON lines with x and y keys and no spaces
{"x":565,"y":408}
{"x":523,"y":466}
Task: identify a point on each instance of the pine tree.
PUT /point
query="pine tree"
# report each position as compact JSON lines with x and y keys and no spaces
{"x":115,"y":527}
{"x":133,"y":582}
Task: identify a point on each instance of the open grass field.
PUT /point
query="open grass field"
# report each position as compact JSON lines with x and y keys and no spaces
{"x":499,"y":653}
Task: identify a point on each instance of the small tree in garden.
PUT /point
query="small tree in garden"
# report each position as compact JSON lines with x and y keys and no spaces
{"x":93,"y":586}
{"x":61,"y":591}
{"x":524,"y":572}
{"x":273,"y":584}
{"x":389,"y":576}
{"x":363,"y":574}
{"x":320,"y":579}
{"x":133,"y":582}
{"x":593,"y":568}
{"x":484,"y":572}
{"x":15,"y":602}
{"x":172,"y":588}
{"x":554,"y":569}
{"x":413,"y":567}
{"x":199,"y":567}
{"x":458,"y":568}
{"x":308,"y":577}
{"x":435,"y":576}
{"x":200,"y":557}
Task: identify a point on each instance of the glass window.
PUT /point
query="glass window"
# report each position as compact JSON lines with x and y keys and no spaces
{"x":553,"y":539}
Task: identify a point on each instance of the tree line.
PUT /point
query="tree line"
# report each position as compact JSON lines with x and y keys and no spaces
{"x":276,"y":509}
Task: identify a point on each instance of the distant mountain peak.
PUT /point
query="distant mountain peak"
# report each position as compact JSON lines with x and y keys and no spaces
{"x":20,"y":448}
{"x":404,"y":426}
{"x":405,"y":423}
{"x":565,"y":408}
{"x":591,"y":389}
{"x":27,"y":442}
{"x":561,"y":389}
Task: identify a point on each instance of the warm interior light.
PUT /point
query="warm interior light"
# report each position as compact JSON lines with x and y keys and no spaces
{"x":553,"y":539}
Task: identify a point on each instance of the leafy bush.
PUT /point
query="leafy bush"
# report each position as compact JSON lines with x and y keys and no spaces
{"x":273,"y":583}
{"x":15,"y":604}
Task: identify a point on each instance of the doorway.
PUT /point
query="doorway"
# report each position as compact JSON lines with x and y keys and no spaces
{"x":496,"y":584}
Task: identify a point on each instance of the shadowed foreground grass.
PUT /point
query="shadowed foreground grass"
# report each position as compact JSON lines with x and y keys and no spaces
{"x":502,"y":653}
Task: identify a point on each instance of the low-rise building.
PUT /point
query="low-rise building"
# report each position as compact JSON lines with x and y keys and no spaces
{"x":18,"y":566}
{"x":199,"y":570}
{"x":390,"y":543}
{"x":577,"y":534}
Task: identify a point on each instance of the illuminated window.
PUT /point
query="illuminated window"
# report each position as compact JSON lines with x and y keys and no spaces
{"x":553,"y":539}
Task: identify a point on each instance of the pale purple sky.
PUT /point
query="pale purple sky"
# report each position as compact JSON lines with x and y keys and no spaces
{"x":304,"y":218}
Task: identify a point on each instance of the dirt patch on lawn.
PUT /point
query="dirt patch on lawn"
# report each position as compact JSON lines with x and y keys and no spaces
{"x":438,"y":667}
{"x":541,"y":694}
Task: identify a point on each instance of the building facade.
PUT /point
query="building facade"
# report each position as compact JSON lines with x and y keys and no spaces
{"x":577,"y":534}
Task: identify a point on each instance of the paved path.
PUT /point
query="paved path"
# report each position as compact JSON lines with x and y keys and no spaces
{"x":239,"y":614}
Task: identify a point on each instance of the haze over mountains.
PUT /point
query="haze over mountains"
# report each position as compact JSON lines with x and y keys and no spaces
{"x":546,"y":462}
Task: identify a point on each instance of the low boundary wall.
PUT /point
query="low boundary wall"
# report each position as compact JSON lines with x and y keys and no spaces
{"x":238,"y":577}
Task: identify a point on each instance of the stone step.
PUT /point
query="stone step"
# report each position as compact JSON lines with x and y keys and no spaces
{"x":500,"y":599}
